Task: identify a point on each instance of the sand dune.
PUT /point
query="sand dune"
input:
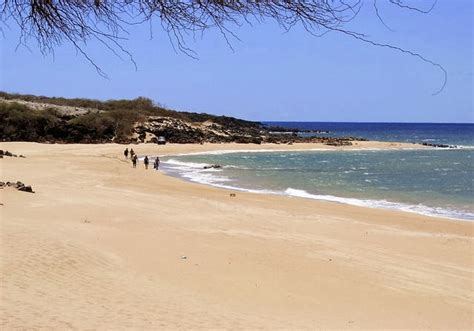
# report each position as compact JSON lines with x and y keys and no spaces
{"x":100,"y":246}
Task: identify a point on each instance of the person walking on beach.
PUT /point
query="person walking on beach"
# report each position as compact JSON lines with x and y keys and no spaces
{"x":132,"y":153}
{"x":156,"y":165}
{"x":146,"y":162}
{"x":134,"y":160}
{"x":125,"y":153}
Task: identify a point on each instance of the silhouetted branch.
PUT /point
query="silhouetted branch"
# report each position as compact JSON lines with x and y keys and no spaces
{"x":401,"y":4}
{"x":380,"y":17}
{"x":417,"y":55}
{"x":54,"y":22}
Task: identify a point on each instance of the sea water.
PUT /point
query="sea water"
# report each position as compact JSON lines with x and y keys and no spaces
{"x":437,"y":182}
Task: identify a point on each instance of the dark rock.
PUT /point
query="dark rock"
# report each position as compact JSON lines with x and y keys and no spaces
{"x":18,"y":185}
{"x":7,"y":153}
{"x":213,"y":166}
{"x":26,"y":189}
{"x":438,"y":145}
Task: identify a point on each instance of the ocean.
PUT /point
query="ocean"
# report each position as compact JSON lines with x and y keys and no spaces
{"x":436,"y":182}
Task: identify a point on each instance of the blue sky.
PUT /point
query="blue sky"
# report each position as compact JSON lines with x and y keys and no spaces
{"x":272,"y":75}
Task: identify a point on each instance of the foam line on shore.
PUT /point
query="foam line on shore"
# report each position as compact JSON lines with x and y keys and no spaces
{"x":384,"y":204}
{"x":371,"y":149}
{"x":194,"y":172}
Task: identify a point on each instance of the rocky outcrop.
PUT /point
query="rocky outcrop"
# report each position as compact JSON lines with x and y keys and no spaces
{"x":181,"y":132}
{"x":226,"y":131}
{"x":439,"y":145}
{"x":276,"y":129}
{"x":7,"y":153}
{"x":18,"y":185}
{"x":59,"y":120}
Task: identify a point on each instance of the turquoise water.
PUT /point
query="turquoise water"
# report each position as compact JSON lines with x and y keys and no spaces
{"x":436,"y":182}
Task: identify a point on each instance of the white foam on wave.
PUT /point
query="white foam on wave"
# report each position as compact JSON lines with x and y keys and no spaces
{"x":384,"y":204}
{"x":195,"y":172}
{"x":263,"y":150}
{"x":236,"y":167}
{"x":233,"y":151}
{"x":450,"y":147}
{"x":185,"y":164}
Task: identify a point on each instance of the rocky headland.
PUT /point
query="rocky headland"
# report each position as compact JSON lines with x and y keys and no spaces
{"x":60,"y":120}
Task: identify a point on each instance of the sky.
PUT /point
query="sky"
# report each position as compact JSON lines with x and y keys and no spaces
{"x":275,"y":75}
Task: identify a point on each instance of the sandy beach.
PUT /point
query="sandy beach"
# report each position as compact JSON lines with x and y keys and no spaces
{"x":103,"y":246}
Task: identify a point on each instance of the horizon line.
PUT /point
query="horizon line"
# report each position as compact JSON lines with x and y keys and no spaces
{"x":362,"y":122}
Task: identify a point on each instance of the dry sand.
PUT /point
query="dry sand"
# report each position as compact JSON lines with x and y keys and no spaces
{"x":100,"y":246}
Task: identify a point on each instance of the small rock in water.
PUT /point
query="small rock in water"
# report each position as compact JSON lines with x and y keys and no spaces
{"x":213,"y":166}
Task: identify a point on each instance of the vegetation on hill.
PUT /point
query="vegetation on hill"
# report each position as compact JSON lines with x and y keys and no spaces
{"x":21,"y":123}
{"x":40,"y":118}
{"x":61,"y":120}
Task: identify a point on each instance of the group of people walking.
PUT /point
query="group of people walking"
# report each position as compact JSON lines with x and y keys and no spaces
{"x":146,"y":160}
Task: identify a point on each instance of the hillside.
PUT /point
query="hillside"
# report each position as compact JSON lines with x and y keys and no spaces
{"x":61,"y":120}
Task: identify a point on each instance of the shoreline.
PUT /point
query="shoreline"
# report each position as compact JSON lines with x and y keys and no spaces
{"x":102,"y":245}
{"x":227,"y":148}
{"x":382,"y":204}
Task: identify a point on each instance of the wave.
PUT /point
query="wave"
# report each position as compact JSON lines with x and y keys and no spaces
{"x":233,"y":151}
{"x":261,"y":168}
{"x":450,"y":147}
{"x":194,"y":172}
{"x":384,"y":204}
{"x":178,"y":163}
{"x":263,"y":150}
{"x":200,"y":166}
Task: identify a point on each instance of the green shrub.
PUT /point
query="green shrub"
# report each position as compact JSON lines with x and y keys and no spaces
{"x":21,"y":123}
